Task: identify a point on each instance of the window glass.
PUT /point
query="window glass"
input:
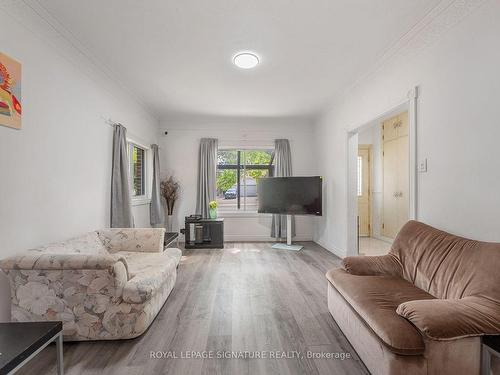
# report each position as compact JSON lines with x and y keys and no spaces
{"x":238,"y":173}
{"x":137,"y":169}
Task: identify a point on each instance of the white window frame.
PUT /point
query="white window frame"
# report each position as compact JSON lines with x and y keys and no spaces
{"x":231,"y":146}
{"x":148,"y":172}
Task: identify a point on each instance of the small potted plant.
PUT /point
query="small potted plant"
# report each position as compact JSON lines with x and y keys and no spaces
{"x":213,"y":209}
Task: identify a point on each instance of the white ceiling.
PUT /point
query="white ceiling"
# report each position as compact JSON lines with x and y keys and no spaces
{"x":176,"y":55}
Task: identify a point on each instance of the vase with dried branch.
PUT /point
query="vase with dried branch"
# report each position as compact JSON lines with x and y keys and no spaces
{"x":169,"y":188}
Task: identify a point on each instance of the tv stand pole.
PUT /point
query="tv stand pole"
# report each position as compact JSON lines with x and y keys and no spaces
{"x":289,"y":230}
{"x":288,"y":245}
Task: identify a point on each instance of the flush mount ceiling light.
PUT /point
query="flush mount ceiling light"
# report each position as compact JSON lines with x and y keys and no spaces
{"x":246,"y":60}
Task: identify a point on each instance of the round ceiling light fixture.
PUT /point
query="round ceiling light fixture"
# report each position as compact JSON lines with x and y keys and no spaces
{"x":246,"y":60}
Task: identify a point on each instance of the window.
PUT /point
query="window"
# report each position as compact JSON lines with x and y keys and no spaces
{"x":238,"y":173}
{"x":138,"y":170}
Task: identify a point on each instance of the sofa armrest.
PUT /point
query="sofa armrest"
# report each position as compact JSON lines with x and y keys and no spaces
{"x":34,"y":260}
{"x":148,"y":240}
{"x":140,"y":289}
{"x":447,"y":319}
{"x":385,"y":265}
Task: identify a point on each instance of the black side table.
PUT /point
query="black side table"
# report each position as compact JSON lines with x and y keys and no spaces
{"x":490,"y":348}
{"x":20,"y":342}
{"x":201,"y":233}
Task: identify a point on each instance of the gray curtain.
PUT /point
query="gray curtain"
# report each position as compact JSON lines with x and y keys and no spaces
{"x":207,"y":170}
{"x":282,"y":168}
{"x":121,"y":209}
{"x":156,"y":212}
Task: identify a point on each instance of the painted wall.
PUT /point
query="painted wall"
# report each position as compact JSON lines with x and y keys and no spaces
{"x":179,"y":157}
{"x":56,"y":170}
{"x":454,"y":62}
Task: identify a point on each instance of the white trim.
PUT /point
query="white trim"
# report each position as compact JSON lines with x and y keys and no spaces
{"x":413,"y":161}
{"x":409,"y":104}
{"x":241,"y":213}
{"x":135,"y":141}
{"x":382,"y":238}
{"x":148,"y":173}
{"x":434,"y":25}
{"x":48,"y":27}
{"x":259,"y":238}
{"x":140,"y":201}
{"x":332,"y":249}
{"x":352,"y":192}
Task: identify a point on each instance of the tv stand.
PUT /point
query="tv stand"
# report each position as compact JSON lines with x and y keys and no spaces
{"x":288,"y":245}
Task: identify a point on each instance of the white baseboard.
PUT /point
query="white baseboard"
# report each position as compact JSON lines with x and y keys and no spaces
{"x":332,"y":249}
{"x":382,"y":238}
{"x":259,"y":238}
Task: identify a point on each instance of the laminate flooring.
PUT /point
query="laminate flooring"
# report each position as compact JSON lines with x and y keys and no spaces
{"x":228,"y":307}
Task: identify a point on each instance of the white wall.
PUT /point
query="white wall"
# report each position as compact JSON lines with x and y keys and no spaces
{"x":56,"y":171}
{"x":455,"y":64}
{"x":179,"y":156}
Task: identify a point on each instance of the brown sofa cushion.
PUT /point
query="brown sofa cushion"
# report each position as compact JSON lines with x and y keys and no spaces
{"x":383,"y":265}
{"x":375,"y":299}
{"x":447,"y":266}
{"x":446,"y":319}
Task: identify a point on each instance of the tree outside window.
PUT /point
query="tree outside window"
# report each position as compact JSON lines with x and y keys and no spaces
{"x":238,"y":173}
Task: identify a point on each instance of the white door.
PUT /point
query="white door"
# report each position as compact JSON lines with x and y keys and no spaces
{"x":395,"y":197}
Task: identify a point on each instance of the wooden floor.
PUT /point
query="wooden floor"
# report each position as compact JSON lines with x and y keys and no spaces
{"x":247,"y":297}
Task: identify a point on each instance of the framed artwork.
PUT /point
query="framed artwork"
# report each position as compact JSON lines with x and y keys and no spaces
{"x":10,"y":92}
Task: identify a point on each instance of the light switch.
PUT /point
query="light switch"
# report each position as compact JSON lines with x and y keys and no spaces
{"x":422,"y":165}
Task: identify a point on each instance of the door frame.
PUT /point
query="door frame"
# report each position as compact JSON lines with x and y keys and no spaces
{"x":368,"y":148}
{"x":407,"y":104}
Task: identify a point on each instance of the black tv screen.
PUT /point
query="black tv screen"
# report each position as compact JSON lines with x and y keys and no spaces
{"x":290,"y":195}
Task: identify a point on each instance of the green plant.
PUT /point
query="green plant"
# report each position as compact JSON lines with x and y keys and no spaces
{"x":213,"y":205}
{"x":226,"y":178}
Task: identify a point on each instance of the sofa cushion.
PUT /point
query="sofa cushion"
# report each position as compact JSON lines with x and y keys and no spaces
{"x":375,"y":299}
{"x":149,"y":240}
{"x":148,"y":272}
{"x":88,"y":243}
{"x":447,"y":266}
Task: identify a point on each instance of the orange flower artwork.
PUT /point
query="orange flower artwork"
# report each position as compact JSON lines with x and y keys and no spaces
{"x":10,"y":92}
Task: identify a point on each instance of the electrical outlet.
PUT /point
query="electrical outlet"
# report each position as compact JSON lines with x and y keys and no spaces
{"x":422,"y":165}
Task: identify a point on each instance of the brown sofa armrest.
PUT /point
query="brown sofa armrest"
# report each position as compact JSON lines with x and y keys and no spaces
{"x":384,"y":265}
{"x":447,"y":319}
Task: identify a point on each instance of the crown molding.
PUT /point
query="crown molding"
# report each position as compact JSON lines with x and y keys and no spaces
{"x":34,"y":17}
{"x":425,"y":33}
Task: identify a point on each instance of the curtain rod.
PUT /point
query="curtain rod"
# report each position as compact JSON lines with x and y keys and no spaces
{"x":112,"y":123}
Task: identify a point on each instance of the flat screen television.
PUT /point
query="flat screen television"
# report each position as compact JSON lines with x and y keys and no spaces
{"x":290,"y":195}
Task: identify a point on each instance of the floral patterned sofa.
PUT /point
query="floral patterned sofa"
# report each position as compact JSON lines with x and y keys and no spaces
{"x":105,"y":285}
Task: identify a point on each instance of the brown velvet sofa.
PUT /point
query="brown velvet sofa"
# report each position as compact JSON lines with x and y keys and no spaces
{"x":423,"y":308}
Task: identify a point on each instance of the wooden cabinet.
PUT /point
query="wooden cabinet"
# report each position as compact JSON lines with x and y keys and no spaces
{"x":395,"y":197}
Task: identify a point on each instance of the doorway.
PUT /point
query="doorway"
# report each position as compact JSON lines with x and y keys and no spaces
{"x":382,"y":178}
{"x":382,"y":183}
{"x":364,"y":190}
